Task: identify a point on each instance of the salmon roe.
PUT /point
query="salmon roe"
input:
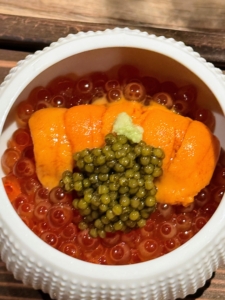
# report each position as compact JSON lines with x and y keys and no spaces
{"x":51,"y":215}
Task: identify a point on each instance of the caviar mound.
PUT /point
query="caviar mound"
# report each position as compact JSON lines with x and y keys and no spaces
{"x":114,"y":184}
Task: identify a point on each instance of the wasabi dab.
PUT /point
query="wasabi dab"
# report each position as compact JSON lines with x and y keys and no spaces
{"x":124,"y":125}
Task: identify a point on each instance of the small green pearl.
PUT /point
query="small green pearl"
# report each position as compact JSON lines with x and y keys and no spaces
{"x":158,"y":153}
{"x":103,"y":189}
{"x":117,"y":209}
{"x":88,"y":159}
{"x":150,"y":201}
{"x":105,"y":198}
{"x":93,"y":232}
{"x":124,"y":201}
{"x":157,"y":172}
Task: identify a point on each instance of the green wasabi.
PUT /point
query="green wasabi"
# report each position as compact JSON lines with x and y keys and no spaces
{"x":123,"y":125}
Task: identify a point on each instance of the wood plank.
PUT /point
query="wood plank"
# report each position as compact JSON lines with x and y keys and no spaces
{"x":12,"y":289}
{"x":12,"y":57}
{"x":207,"y":15}
{"x":30,"y":34}
{"x":8,"y":60}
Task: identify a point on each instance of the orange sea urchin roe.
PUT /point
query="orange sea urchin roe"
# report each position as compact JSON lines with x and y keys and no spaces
{"x":191,"y":154}
{"x":52,"y":150}
{"x":191,"y":151}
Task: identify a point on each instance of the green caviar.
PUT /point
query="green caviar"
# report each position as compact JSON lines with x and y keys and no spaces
{"x":114,"y":184}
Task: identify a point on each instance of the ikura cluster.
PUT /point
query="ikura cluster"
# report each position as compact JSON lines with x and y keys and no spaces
{"x":69,"y":91}
{"x":51,"y":215}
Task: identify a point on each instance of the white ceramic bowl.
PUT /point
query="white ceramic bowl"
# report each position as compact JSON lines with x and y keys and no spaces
{"x":174,"y":275}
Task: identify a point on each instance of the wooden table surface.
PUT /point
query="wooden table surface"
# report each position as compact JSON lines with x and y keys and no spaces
{"x":27,"y":26}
